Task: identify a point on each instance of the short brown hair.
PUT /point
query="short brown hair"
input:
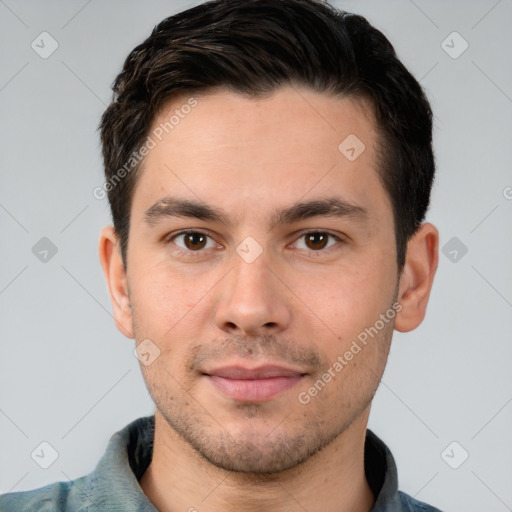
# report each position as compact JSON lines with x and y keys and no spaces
{"x":253,"y":47}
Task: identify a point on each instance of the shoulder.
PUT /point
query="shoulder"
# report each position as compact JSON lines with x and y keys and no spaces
{"x":55,"y":497}
{"x":409,"y":504}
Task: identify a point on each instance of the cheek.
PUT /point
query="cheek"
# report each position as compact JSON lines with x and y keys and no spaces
{"x":166,"y":301}
{"x":350,"y":299}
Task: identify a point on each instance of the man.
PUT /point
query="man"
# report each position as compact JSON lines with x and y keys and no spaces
{"x":268,"y":165}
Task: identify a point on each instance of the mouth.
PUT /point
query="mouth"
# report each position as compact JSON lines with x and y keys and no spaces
{"x":253,"y":384}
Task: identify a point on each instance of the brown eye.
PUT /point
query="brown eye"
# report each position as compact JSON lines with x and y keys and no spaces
{"x":316,"y":241}
{"x":194,"y":241}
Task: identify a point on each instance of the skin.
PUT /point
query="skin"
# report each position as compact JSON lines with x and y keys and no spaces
{"x":298,"y":304}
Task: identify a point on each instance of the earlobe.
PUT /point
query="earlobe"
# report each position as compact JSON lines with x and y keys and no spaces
{"x":417,"y":277}
{"x":117,"y":283}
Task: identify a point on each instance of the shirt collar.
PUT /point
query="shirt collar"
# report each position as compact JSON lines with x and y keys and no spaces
{"x":114,"y":484}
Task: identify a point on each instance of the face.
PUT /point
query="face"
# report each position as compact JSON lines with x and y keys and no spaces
{"x":259,"y":255}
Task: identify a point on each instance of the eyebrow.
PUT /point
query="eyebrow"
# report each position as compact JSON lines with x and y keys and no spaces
{"x":170,"y":207}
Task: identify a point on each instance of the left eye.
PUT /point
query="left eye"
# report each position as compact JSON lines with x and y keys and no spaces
{"x":317,"y":240}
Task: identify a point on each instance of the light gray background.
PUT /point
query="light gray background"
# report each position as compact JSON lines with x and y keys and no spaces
{"x":68,"y":377}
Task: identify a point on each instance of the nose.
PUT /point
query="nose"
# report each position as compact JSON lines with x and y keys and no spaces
{"x":252,"y":300}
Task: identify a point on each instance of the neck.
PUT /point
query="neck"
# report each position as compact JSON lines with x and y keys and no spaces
{"x":179,"y":479}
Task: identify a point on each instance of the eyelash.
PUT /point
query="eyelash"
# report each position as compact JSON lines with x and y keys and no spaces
{"x":192,"y":254}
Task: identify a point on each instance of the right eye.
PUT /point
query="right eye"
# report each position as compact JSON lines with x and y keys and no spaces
{"x":192,"y":241}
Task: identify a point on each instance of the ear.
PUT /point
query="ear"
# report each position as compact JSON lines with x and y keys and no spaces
{"x":417,"y":277}
{"x":115,"y":275}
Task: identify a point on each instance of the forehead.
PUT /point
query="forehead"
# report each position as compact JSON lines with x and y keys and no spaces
{"x":234,"y":151}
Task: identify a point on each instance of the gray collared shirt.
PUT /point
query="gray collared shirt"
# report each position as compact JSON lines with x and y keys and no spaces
{"x":114,"y":484}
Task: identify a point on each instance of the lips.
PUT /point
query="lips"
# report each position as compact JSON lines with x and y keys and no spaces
{"x":263,"y":372}
{"x":253,"y":384}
